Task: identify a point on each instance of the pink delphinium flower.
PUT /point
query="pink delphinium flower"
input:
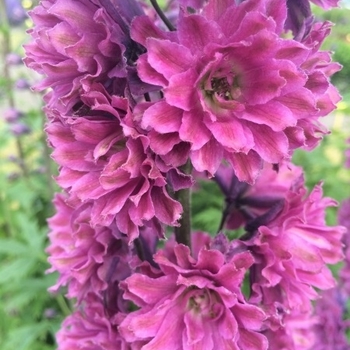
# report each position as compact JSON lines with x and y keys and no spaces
{"x":292,"y":251}
{"x":75,"y":44}
{"x":87,"y":259}
{"x":233,"y":88}
{"x":295,"y":332}
{"x":193,"y":304}
{"x":119,"y":175}
{"x":330,"y":330}
{"x":88,"y":328}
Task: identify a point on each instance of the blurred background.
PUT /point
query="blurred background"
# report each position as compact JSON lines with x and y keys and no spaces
{"x":29,"y":315}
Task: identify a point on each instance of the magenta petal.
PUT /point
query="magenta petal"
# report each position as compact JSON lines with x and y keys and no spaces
{"x":143,"y":28}
{"x":247,"y":166}
{"x":148,"y":74}
{"x":216,"y":8}
{"x":277,"y":10}
{"x":273,"y":114}
{"x":87,"y":186}
{"x":162,"y":117}
{"x":74,"y":156}
{"x":150,"y":290}
{"x":143,"y":210}
{"x":196,"y":32}
{"x":181,"y":90}
{"x":116,"y":202}
{"x":271,"y":146}
{"x":250,"y":316}
{"x":193,"y":130}
{"x":83,"y":53}
{"x":253,"y":23}
{"x":301,"y":102}
{"x":233,"y":135}
{"x":252,"y":340}
{"x":211,"y":260}
{"x":92,"y":132}
{"x":168,"y":58}
{"x":195,"y":329}
{"x":114,"y":180}
{"x":169,"y":331}
{"x":262,"y":85}
{"x":142,"y":326}
{"x":163,"y":143}
{"x":78,"y":14}
{"x":167,"y":210}
{"x":208,"y":158}
{"x":62,"y":36}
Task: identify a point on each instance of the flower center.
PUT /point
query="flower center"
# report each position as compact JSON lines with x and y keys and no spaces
{"x":222,"y":88}
{"x":203,"y":302}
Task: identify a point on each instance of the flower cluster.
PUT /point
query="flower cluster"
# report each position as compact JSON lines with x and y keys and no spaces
{"x":141,"y":103}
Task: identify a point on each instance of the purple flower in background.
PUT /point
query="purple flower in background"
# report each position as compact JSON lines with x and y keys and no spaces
{"x":22,"y":84}
{"x":249,"y":205}
{"x":13,"y":59}
{"x":194,"y":303}
{"x":330,"y":329}
{"x":12,"y":115}
{"x":88,"y":328}
{"x":20,"y":129}
{"x":295,"y":331}
{"x":15,"y":12}
{"x":299,"y":18}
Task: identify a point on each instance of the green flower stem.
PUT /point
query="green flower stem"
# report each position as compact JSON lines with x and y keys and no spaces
{"x":183,"y":233}
{"x":64,"y":307}
{"x":162,"y":15}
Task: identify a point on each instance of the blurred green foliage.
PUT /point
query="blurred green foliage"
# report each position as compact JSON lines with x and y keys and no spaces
{"x":29,"y":315}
